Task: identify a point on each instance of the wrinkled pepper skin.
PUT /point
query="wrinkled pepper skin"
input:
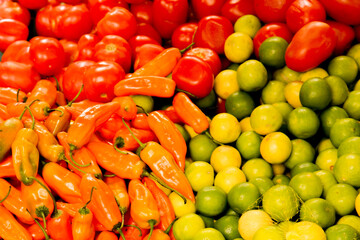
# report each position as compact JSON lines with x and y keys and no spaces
{"x":10,"y":227}
{"x":58,"y":120}
{"x":25,"y":155}
{"x":8,"y":130}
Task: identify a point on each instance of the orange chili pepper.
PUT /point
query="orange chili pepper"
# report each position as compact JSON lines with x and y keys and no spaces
{"x":146,"y":85}
{"x":79,"y":133}
{"x":190,"y":113}
{"x":59,"y":226}
{"x":124,"y":164}
{"x":44,"y":90}
{"x":162,"y":65}
{"x":14,"y":202}
{"x":77,"y":108}
{"x":131,"y":231}
{"x":143,"y":209}
{"x":82,"y":160}
{"x":8,"y":131}
{"x":166,"y":210}
{"x":11,"y":95}
{"x":7,"y":168}
{"x":36,"y":231}
{"x":40,"y":109}
{"x":82,"y":223}
{"x":10,"y":227}
{"x":3,"y":112}
{"x":158,"y":234}
{"x":140,"y":122}
{"x":110,"y":127}
{"x":124,"y":140}
{"x":64,"y":182}
{"x":169,"y":136}
{"x":171,"y":113}
{"x":58,"y":120}
{"x":70,"y":208}
{"x":128,"y":107}
{"x":106,"y":235}
{"x":103,"y":204}
{"x":60,"y":99}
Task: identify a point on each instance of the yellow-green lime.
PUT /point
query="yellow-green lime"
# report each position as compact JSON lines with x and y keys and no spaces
{"x":344,"y":67}
{"x":146,"y":103}
{"x":319,"y":211}
{"x":273,"y":92}
{"x":315,"y":93}
{"x":208,"y":234}
{"x":315,"y":72}
{"x":286,"y":75}
{"x":342,"y":129}
{"x":341,"y":231}
{"x":225,"y":128}
{"x":275,"y":147}
{"x":352,"y":104}
{"x":228,"y":226}
{"x":350,"y":220}
{"x":284,"y":108}
{"x":257,"y":167}
{"x":238,"y":47}
{"x":342,"y":196}
{"x":272,"y":51}
{"x":347,"y":169}
{"x":201,"y":148}
{"x":243,"y":197}
{"x":327,"y":179}
{"x":262,"y":183}
{"x":225,"y":156}
{"x":339,"y":90}
{"x":180,"y":207}
{"x":186,"y":227}
{"x":304,"y":167}
{"x":273,"y":232}
{"x":248,"y":24}
{"x":265,"y":119}
{"x":200,"y":174}
{"x":349,"y":145}
{"x":210,"y":201}
{"x":281,"y":179}
{"x":302,"y":151}
{"x":245,"y":124}
{"x":225,"y":83}
{"x":325,"y":143}
{"x":357,"y":85}
{"x":327,"y":159}
{"x":252,"y":75}
{"x":329,"y":116}
{"x":354,"y":52}
{"x":248,"y":144}
{"x":240,"y":104}
{"x":305,"y":230}
{"x":227,"y":178}
{"x":303,"y":122}
{"x":307,"y":185}
{"x":251,"y":221}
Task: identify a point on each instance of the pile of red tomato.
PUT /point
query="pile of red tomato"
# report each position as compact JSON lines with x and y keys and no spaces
{"x":86,"y":47}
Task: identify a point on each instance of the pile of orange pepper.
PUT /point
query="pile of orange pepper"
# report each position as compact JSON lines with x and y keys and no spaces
{"x":89,"y":170}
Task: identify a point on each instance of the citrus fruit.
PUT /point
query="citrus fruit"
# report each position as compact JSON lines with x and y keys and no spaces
{"x":303,"y":122}
{"x":262,"y":183}
{"x":339,"y":90}
{"x":252,"y":75}
{"x":305,"y":230}
{"x":315,"y":93}
{"x":286,"y":75}
{"x":180,"y":207}
{"x":228,"y":226}
{"x":245,"y":124}
{"x":324,"y":144}
{"x":240,"y":104}
{"x":225,"y":83}
{"x":183,"y":132}
{"x":319,"y":211}
{"x":357,"y":204}
{"x":302,"y":151}
{"x":248,"y":144}
{"x":273,"y":92}
{"x":304,"y":167}
{"x":307,"y":185}
{"x":225,"y":128}
{"x":243,"y":197}
{"x":210,"y":201}
{"x":227,"y":178}
{"x":187,"y":226}
{"x":341,"y":232}
{"x":257,"y":167}
{"x":248,"y":24}
{"x":284,"y":108}
{"x":265,"y":119}
{"x":208,"y":234}
{"x":347,"y":169}
{"x":238,"y":47}
{"x":208,"y":101}
{"x":278,"y":168}
{"x":251,"y":221}
{"x":209,"y":221}
{"x":344,"y":67}
{"x":200,"y":174}
{"x":352,"y":104}
{"x":281,"y":202}
{"x":272,"y":232}
{"x":272,"y":51}
{"x":342,"y":196}
{"x":349,"y":145}
{"x":201,"y":148}
{"x":354,"y":52}
{"x":281,"y":179}
{"x":292,"y":93}
{"x":315,"y":72}
{"x":350,"y":220}
{"x":329,"y":116}
{"x":327,"y":179}
{"x":225,"y":156}
{"x":327,"y":159}
{"x":275,"y":147}
{"x":342,"y":129}
{"x":146,"y":103}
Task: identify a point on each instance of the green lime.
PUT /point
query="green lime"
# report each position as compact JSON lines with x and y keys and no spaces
{"x":209,"y":221}
{"x":273,"y":92}
{"x":342,"y":129}
{"x":281,"y":179}
{"x":183,"y":132}
{"x":248,"y":144}
{"x":327,"y":179}
{"x":210,"y":201}
{"x":252,"y":75}
{"x":257,"y":167}
{"x":349,"y":145}
{"x":354,"y":52}
{"x":201,"y":148}
{"x":262,"y":183}
{"x":350,"y":220}
{"x":341,"y":232}
{"x":329,"y":116}
{"x":243,"y":196}
{"x":344,"y":67}
{"x":319,"y":211}
{"x":208,"y":234}
{"x":347,"y":169}
{"x":315,"y":93}
{"x":302,"y":151}
{"x":307,"y":185}
{"x":304,"y":167}
{"x":352,"y":104}
{"x":339,"y":90}
{"x":208,"y":101}
{"x":187,"y":226}
{"x":342,"y":196}
{"x":228,"y":226}
{"x":272,"y":51}
{"x":303,"y":122}
{"x":240,"y":104}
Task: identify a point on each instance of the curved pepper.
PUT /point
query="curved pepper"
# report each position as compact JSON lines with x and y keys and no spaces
{"x":8,"y":131}
{"x":10,"y":227}
{"x":61,"y":220}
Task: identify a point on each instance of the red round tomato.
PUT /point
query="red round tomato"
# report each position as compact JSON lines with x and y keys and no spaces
{"x":271,"y":30}
{"x":31,"y":4}
{"x":71,"y":51}
{"x":168,"y":14}
{"x":100,"y":79}
{"x":233,"y":9}
{"x":118,"y":21}
{"x":137,"y":41}
{"x":208,"y":55}
{"x":345,"y":35}
{"x":47,"y":54}
{"x":73,"y":79}
{"x":13,"y":10}
{"x":344,"y":11}
{"x":143,"y":11}
{"x":145,"y":53}
{"x":203,"y":8}
{"x":357,"y":32}
{"x":270,"y":11}
{"x":146,"y":29}
{"x":311,"y":45}
{"x":18,"y":75}
{"x":183,"y":35}
{"x":212,"y":26}
{"x":86,"y":45}
{"x":18,"y":51}
{"x":302,"y":12}
{"x":114,"y":48}
{"x":11,"y":30}
{"x":46,"y":22}
{"x":101,"y":7}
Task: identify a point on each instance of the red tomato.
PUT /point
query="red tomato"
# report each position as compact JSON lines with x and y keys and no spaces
{"x":345,"y":35}
{"x":13,"y":10}
{"x":114,"y":48}
{"x":168,"y":14}
{"x":70,"y":49}
{"x":203,"y":8}
{"x":344,"y":11}
{"x":135,"y":1}
{"x":212,"y":26}
{"x":101,"y":7}
{"x":139,"y":40}
{"x":47,"y":54}
{"x":208,"y":55}
{"x":194,"y":76}
{"x":31,"y":4}
{"x":311,"y":45}
{"x":100,"y":79}
{"x":270,"y":30}
{"x":146,"y":29}
{"x":143,"y":11}
{"x":86,"y":45}
{"x":183,"y":35}
{"x":357,"y":32}
{"x":233,"y":9}
{"x":270,"y":11}
{"x":73,"y":79}
{"x":301,"y":12}
{"x":46,"y":21}
{"x":18,"y":51}
{"x":145,"y":53}
{"x":10,"y":31}
{"x":18,"y":75}
{"x":118,"y":21}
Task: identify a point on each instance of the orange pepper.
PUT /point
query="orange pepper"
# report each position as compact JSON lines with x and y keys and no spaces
{"x":7,"y":167}
{"x":36,"y":232}
{"x":3,"y":112}
{"x":62,"y":220}
{"x":77,"y":108}
{"x":40,"y":109}
{"x":10,"y":227}
{"x":44,"y":90}
{"x":140,"y":121}
{"x":110,"y":127}
{"x":131,"y":231}
{"x":11,"y":95}
{"x":157,"y":234}
{"x":58,"y":120}
{"x":8,"y":131}
{"x":70,"y":208}
{"x":106,"y":235}
{"x":128,"y":107}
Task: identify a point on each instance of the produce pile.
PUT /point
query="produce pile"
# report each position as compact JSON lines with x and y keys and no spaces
{"x":176,"y":119}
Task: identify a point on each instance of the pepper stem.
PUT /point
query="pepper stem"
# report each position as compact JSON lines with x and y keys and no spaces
{"x":77,"y":95}
{"x":109,"y":175}
{"x":47,"y":189}
{"x":32,"y":117}
{"x":121,"y":234}
{"x":130,"y":225}
{"x":119,"y":141}
{"x":63,"y":157}
{"x":56,"y":109}
{"x":8,"y":193}
{"x":41,"y":227}
{"x":77,"y":164}
{"x":142,"y":145}
{"x":152,"y":223}
{"x":87,"y":203}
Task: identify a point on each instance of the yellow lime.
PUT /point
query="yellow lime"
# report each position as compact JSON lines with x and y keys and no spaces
{"x":238,"y":47}
{"x":180,"y":207}
{"x":327,"y":179}
{"x":273,"y":92}
{"x":200,"y":174}
{"x":225,"y":128}
{"x":275,"y":147}
{"x":344,"y":67}
{"x":354,"y":52}
{"x":251,"y":221}
{"x":225,"y":156}
{"x":305,"y":230}
{"x":315,"y":72}
{"x":357,"y":204}
{"x":292,"y":93}
{"x":248,"y":24}
{"x":186,"y":227}
{"x":252,"y":75}
{"x":225,"y":83}
{"x":245,"y":124}
{"x":227,"y":178}
{"x":209,"y":234}
{"x":324,"y":144}
{"x":265,"y":119}
{"x":326,"y":159}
